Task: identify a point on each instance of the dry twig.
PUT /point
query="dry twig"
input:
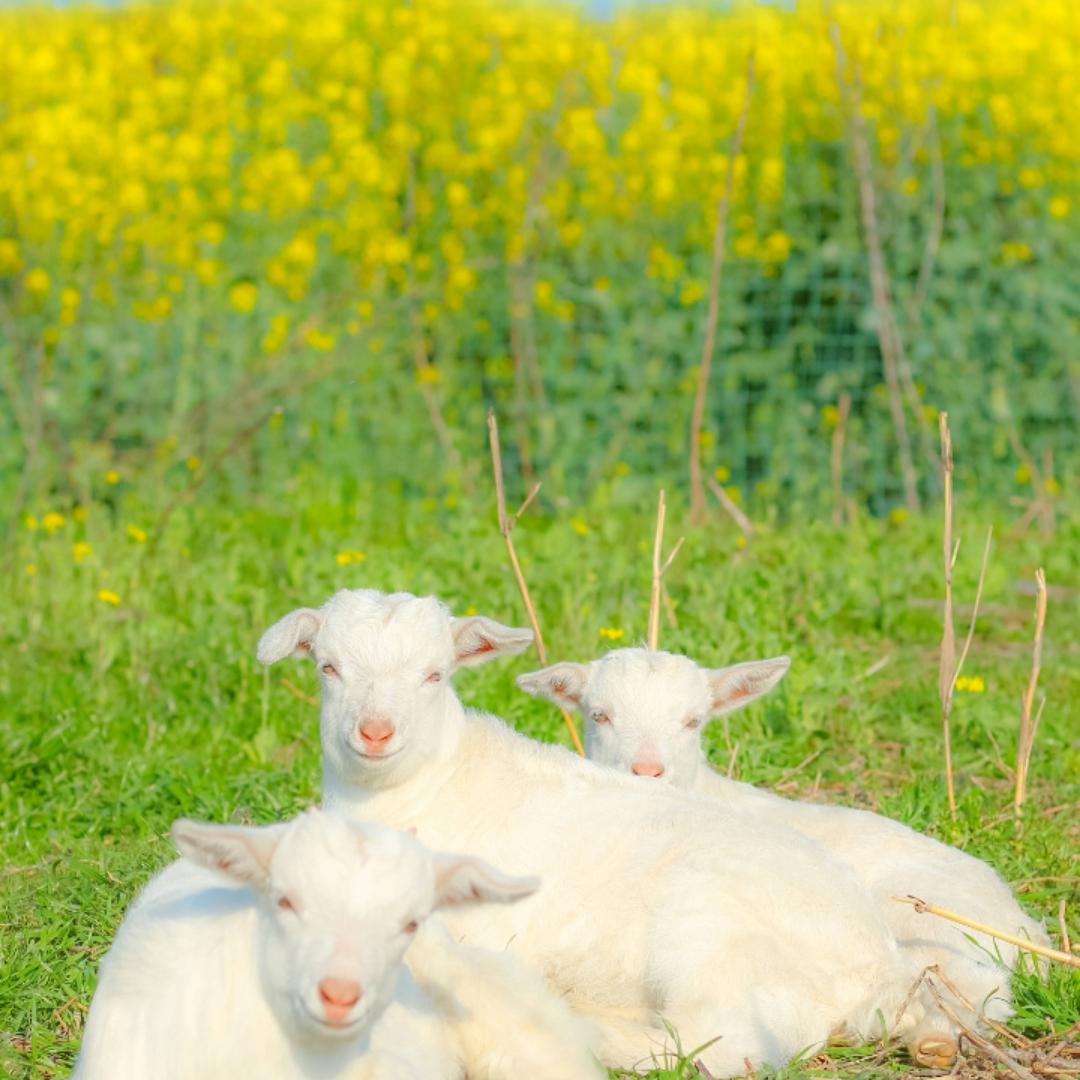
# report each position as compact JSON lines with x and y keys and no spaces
{"x":732,"y":508}
{"x":889,"y":340}
{"x":836,"y":458}
{"x":506,"y":527}
{"x":1026,"y":741}
{"x":658,"y":571}
{"x":950,"y":667}
{"x":697,"y":492}
{"x":923,"y":908}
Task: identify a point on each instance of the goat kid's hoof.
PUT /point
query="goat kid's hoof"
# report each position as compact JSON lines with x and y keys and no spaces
{"x":936,"y":1051}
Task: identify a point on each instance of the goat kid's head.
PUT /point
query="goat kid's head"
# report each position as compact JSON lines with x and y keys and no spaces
{"x":339,"y":904}
{"x":644,"y":711}
{"x":385,"y":661}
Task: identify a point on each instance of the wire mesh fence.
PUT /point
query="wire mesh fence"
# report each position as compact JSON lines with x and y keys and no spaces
{"x":329,"y":237}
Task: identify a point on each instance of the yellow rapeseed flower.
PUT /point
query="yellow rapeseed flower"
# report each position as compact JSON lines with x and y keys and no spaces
{"x":612,"y":633}
{"x":52,"y":521}
{"x":38,"y":282}
{"x":428,"y":375}
{"x":31,"y":568}
{"x":192,"y":461}
{"x":80,"y":551}
{"x":970,"y":684}
{"x":243,"y":296}
{"x":107,"y":596}
{"x":579,"y":526}
{"x":112,"y":477}
{"x":137,"y":534}
{"x":898,"y":515}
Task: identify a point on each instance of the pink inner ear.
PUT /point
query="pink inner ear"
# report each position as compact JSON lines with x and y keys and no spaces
{"x":737,"y":693}
{"x":558,"y":688}
{"x":485,"y":646}
{"x":224,"y":864}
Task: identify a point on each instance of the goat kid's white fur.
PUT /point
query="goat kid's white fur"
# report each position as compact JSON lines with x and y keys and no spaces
{"x":655,"y":907}
{"x":215,"y":970}
{"x":645,"y":711}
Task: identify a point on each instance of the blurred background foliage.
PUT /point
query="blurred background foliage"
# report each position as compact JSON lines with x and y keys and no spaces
{"x":283,"y":242}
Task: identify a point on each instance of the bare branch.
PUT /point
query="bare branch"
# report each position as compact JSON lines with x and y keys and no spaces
{"x":732,"y":508}
{"x":888,"y":332}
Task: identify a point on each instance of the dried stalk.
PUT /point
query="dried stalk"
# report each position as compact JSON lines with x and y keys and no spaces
{"x":732,"y":508}
{"x":1063,"y":926}
{"x":658,"y":571}
{"x":697,"y":416}
{"x":836,"y":459}
{"x":923,"y":908}
{"x":1028,"y":727}
{"x":889,"y":340}
{"x":947,"y":667}
{"x":950,"y":666}
{"x":506,"y":527}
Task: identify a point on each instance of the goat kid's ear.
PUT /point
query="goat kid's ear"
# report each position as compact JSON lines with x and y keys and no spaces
{"x":562,"y":683}
{"x":736,"y":686}
{"x":291,"y":636}
{"x":477,"y":639}
{"x":462,"y":879}
{"x":241,"y":852}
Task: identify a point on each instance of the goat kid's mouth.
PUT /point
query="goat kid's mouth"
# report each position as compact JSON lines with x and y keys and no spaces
{"x":334,"y":1028}
{"x":382,"y":755}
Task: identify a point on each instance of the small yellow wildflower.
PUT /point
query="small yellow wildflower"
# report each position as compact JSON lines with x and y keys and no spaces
{"x":1059,"y":206}
{"x":612,"y":633}
{"x":38,"y":282}
{"x":910,"y":185}
{"x":622,"y":468}
{"x":831,"y":415}
{"x":1023,"y":474}
{"x":112,"y":477}
{"x":428,"y":375}
{"x":81,"y":551}
{"x":137,"y":534}
{"x":320,"y":340}
{"x":107,"y":596}
{"x":30,"y":522}
{"x":970,"y":684}
{"x":344,"y":558}
{"x":192,"y":462}
{"x":80,"y":513}
{"x":470,"y":610}
{"x":722,"y":474}
{"x":1052,"y":486}
{"x":898,"y":515}
{"x":740,"y":541}
{"x":52,"y":521}
{"x":31,"y":568}
{"x":579,"y":526}
{"x":243,"y":296}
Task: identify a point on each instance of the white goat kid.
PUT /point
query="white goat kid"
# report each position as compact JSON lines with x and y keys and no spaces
{"x":644,"y":714}
{"x":655,"y":907}
{"x":276,"y":952}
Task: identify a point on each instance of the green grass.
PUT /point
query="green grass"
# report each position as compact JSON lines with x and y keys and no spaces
{"x":118,"y":719}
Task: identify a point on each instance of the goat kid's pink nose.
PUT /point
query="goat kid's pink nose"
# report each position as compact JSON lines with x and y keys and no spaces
{"x":376,"y":733}
{"x":647,"y":768}
{"x":338,"y":997}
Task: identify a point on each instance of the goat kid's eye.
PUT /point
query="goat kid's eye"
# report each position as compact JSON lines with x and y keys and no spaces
{"x":410,"y":927}
{"x":285,"y":904}
{"x":693,"y":724}
{"x":434,"y":677}
{"x":329,"y":669}
{"x":600,"y":717}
